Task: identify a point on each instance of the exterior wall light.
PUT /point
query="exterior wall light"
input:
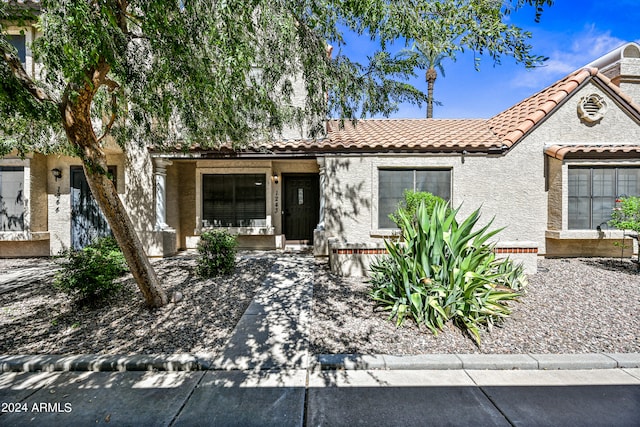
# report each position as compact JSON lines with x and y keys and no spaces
{"x":275,"y":178}
{"x":57,"y":173}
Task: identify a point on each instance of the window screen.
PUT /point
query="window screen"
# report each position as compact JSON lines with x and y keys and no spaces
{"x":593,"y":191}
{"x":11,"y":198}
{"x":234,"y":200}
{"x":392,"y":184}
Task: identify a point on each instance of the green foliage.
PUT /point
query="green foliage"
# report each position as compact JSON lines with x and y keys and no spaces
{"x":411,"y":203}
{"x":217,"y":253}
{"x":215,"y":46}
{"x":88,"y":275}
{"x":626,"y":216}
{"x":445,"y":271}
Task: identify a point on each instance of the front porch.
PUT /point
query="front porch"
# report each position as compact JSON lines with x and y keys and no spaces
{"x":267,"y":204}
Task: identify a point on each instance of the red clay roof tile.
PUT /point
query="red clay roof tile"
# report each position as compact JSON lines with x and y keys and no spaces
{"x":535,"y":108}
{"x":561,"y":152}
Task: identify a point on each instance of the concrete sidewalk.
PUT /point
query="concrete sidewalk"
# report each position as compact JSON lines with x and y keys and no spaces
{"x":266,"y":376}
{"x":299,"y":397}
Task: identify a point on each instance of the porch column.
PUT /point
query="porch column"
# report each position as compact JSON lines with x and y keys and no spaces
{"x":320,"y":246}
{"x":160,"y":178}
{"x":323,"y":185}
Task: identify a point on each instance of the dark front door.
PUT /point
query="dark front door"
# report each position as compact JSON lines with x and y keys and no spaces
{"x":87,"y":221}
{"x":301,"y":206}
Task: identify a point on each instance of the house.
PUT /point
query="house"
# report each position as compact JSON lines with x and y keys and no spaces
{"x":548,"y":169}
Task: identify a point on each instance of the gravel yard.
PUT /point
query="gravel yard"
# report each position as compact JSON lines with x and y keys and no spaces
{"x":572,"y":306}
{"x":36,"y":319}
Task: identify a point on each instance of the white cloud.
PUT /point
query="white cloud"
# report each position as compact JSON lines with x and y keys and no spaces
{"x":567,"y":54}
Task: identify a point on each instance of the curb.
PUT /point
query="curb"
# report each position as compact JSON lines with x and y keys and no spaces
{"x":325,"y":362}
{"x":478,"y":361}
{"x":93,"y":362}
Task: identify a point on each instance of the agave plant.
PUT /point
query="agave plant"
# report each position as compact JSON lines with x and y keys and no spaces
{"x":445,"y":271}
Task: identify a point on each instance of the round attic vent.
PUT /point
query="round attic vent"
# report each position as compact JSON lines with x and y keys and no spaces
{"x":592,"y":108}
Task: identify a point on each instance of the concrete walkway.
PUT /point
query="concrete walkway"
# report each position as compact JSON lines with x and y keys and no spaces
{"x":265,"y":376}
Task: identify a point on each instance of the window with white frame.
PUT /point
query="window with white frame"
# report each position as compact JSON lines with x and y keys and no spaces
{"x":593,"y":191}
{"x":234,"y":200}
{"x":392,"y":184}
{"x":12,"y":207}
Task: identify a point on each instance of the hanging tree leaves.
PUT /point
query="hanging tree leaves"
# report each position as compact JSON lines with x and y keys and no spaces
{"x":173,"y":74}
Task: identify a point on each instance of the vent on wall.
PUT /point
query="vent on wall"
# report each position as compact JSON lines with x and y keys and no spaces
{"x":592,"y":108}
{"x":631,"y":51}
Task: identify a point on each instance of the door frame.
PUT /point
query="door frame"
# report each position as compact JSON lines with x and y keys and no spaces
{"x":78,"y":169}
{"x":315,"y":178}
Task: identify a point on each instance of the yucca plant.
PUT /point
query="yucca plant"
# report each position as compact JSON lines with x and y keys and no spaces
{"x":445,"y":271}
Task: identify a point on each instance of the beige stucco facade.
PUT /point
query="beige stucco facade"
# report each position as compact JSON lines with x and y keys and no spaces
{"x":184,"y":197}
{"x":520,"y":187}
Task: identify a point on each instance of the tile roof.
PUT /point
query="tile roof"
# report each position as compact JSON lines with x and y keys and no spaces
{"x":413,"y":134}
{"x":502,"y":130}
{"x":561,"y":152}
{"x":512,"y":124}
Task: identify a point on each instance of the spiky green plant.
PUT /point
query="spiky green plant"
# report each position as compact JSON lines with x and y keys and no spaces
{"x":445,"y":271}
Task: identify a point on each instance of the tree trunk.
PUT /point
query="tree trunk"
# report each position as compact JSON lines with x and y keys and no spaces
{"x":431,"y":77}
{"x":107,"y":197}
{"x":76,"y":118}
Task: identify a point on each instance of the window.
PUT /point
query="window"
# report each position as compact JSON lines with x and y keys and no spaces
{"x":11,"y":198}
{"x":234,"y":200}
{"x":593,"y":192}
{"x":393,"y":183}
{"x":19,"y":42}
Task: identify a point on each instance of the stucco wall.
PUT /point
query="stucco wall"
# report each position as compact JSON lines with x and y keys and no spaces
{"x":630,"y":70}
{"x":139,"y":190}
{"x":172,"y":186}
{"x":38,"y":202}
{"x":564,"y":126}
{"x":555,"y":185}
{"x":352,"y":212}
{"x":509,"y":187}
{"x":187,"y":201}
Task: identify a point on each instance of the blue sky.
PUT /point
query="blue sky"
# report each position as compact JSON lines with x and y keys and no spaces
{"x":571,"y":33}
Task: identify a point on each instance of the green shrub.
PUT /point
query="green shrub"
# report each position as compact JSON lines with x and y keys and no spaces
{"x":626,"y":216}
{"x":409,"y":206}
{"x":88,"y":275}
{"x":445,"y":271}
{"x":217,"y":253}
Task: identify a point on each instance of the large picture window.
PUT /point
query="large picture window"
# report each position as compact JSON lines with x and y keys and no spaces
{"x":234,"y":200}
{"x":393,"y":182}
{"x":11,"y":198}
{"x":593,"y":192}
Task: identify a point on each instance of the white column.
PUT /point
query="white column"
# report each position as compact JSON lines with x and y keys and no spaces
{"x":160,"y":178}
{"x":323,"y":186}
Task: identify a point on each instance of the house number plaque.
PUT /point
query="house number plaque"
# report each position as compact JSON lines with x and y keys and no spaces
{"x":301,"y":196}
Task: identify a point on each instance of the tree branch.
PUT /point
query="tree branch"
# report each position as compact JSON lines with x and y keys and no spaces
{"x":112,"y":119}
{"x":23,"y":78}
{"x":114,"y":106}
